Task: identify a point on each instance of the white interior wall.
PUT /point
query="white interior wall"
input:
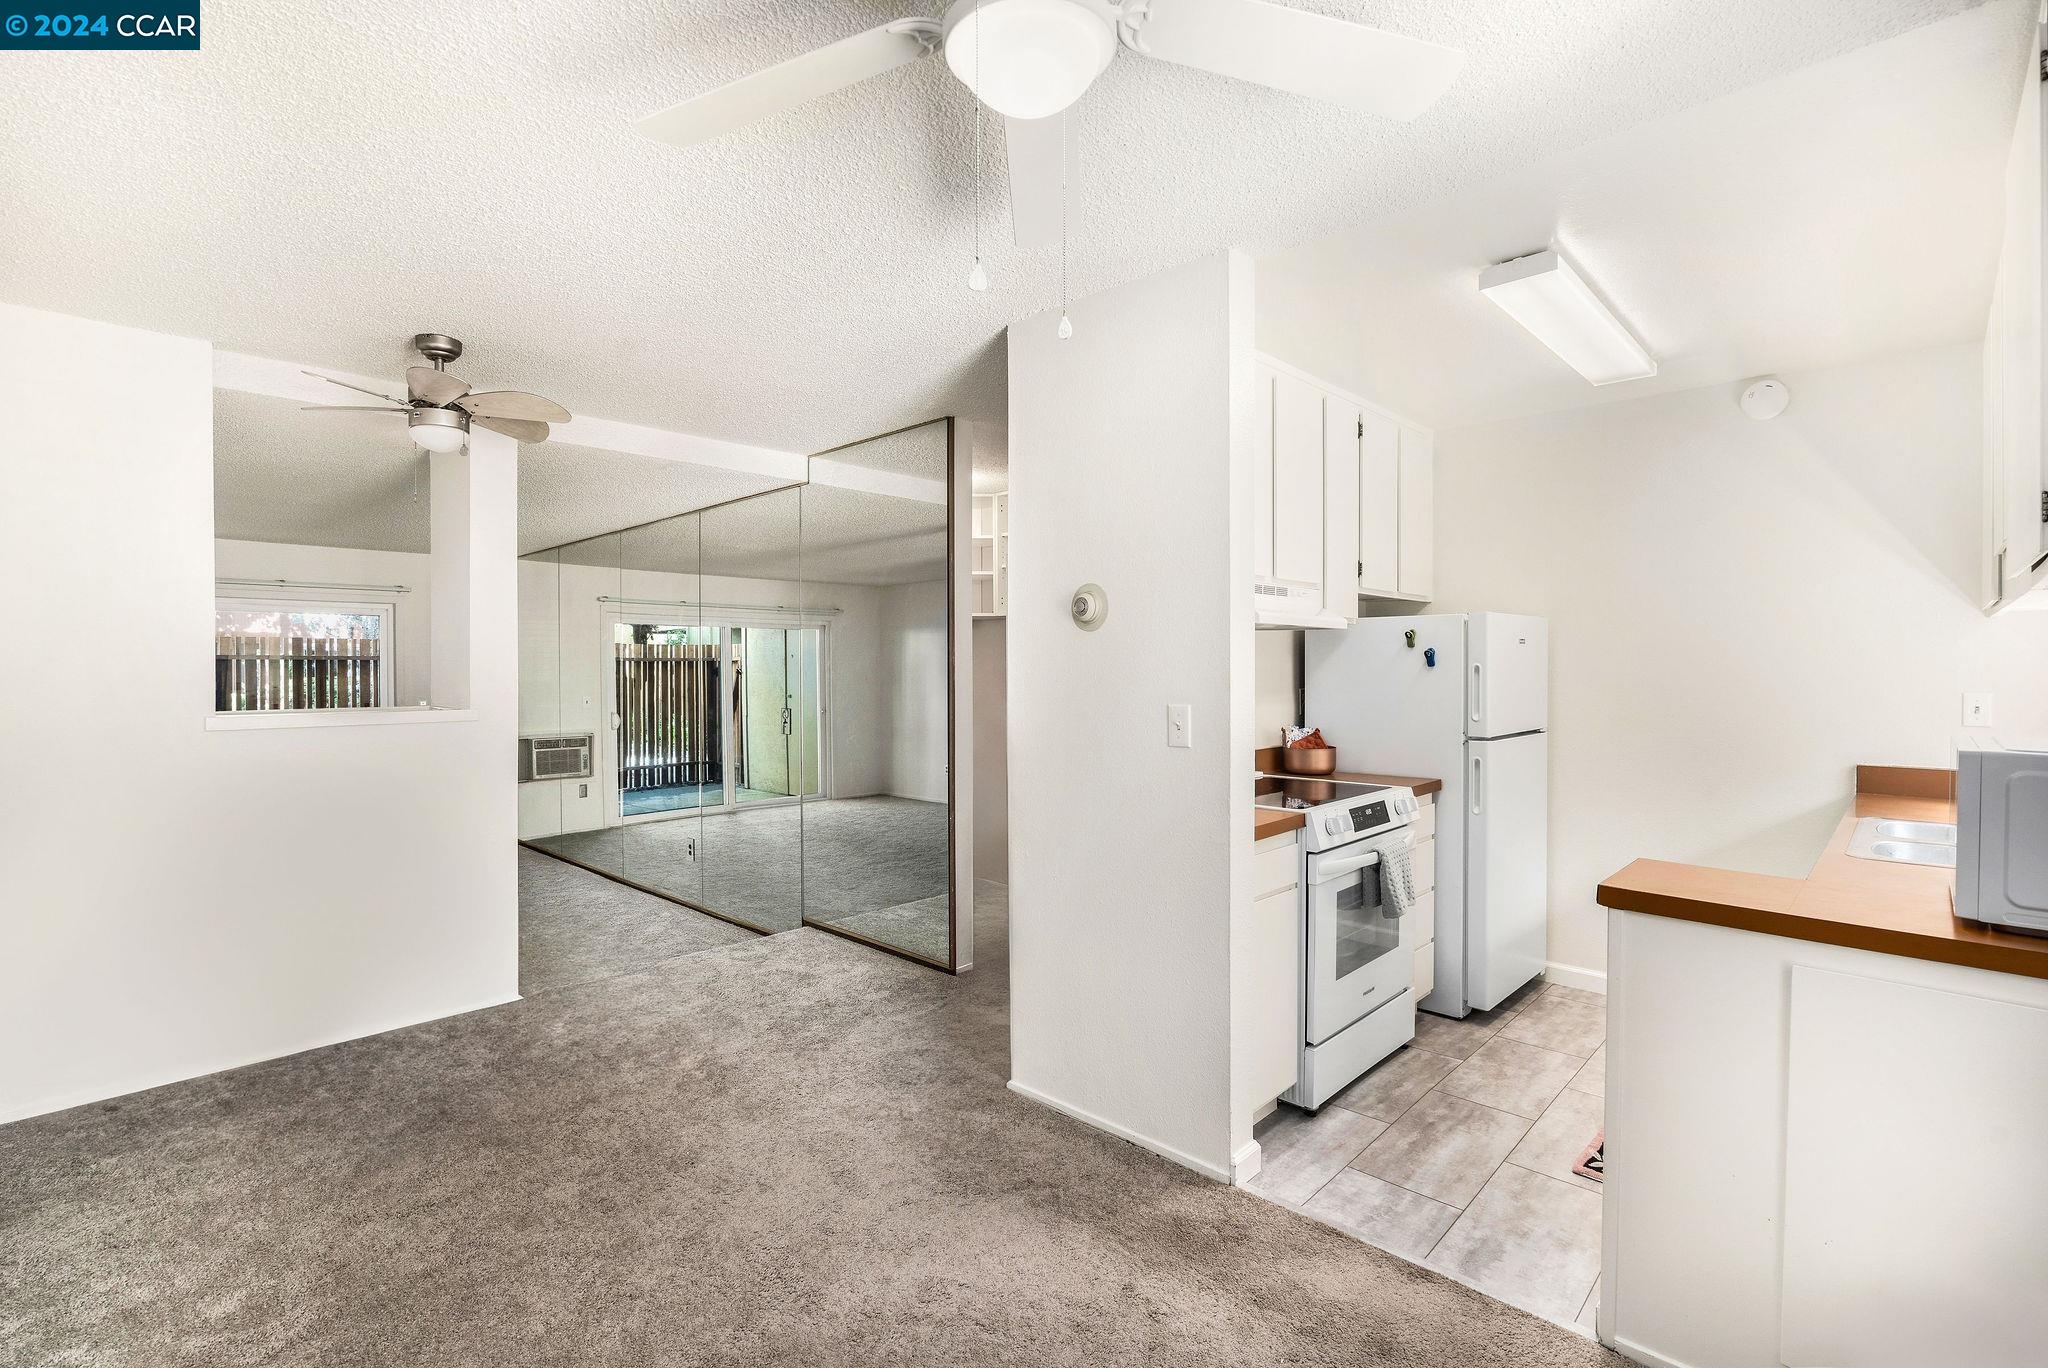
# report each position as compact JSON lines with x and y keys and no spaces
{"x":344,"y":565}
{"x":991,"y":750}
{"x":1130,"y":462}
{"x":913,"y":675}
{"x":145,"y":941}
{"x":1278,"y":676}
{"x":563,"y":689}
{"x":1740,"y":611}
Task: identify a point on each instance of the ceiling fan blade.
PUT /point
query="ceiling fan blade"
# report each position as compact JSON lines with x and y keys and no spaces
{"x":1360,"y":68}
{"x":517,"y":428}
{"x":1039,"y":152}
{"x":513,"y":404}
{"x":791,"y":83}
{"x":350,"y":408}
{"x":438,"y":388}
{"x":375,"y":394}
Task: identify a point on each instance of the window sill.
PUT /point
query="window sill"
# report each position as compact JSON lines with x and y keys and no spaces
{"x":340,"y":717}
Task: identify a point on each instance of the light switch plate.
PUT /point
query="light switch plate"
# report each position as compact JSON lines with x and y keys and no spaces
{"x":1976,"y":709}
{"x":1180,"y":725}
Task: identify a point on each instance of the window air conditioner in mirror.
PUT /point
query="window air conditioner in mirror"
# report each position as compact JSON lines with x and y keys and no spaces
{"x":555,"y":757}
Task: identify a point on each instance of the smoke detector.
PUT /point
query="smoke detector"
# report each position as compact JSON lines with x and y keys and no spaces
{"x":1765,"y":398}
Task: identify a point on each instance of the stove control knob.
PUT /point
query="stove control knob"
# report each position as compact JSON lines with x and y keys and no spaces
{"x":1331,"y":825}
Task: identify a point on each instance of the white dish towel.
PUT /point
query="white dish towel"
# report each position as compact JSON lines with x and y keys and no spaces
{"x":1397,"y":872}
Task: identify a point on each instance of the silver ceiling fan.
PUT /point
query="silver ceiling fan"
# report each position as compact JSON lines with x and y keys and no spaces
{"x":1028,"y":60}
{"x":439,"y":408}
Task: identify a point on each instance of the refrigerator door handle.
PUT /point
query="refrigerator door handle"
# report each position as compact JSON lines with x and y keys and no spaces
{"x":1478,"y":788}
{"x":1477,"y":693}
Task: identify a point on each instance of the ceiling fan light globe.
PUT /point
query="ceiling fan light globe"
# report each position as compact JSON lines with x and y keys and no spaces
{"x":1036,"y":57}
{"x":438,"y":429}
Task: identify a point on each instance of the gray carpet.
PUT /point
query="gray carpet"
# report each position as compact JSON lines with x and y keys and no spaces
{"x":859,"y":856}
{"x":792,"y":1150}
{"x":574,"y":927}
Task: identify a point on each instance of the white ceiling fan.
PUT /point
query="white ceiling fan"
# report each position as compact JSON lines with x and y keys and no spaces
{"x":1033,"y":58}
{"x":439,"y":408}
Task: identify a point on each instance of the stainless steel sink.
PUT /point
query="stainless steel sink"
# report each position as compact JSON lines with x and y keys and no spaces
{"x":1920,"y":843}
{"x":1932,"y":833}
{"x":1914,"y":852}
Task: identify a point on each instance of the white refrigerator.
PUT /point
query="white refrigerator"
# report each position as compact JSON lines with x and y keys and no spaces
{"x":1460,"y":697}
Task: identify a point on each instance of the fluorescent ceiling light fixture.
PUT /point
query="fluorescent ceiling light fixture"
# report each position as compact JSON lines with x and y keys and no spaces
{"x":1544,"y":294}
{"x":1034,"y":57}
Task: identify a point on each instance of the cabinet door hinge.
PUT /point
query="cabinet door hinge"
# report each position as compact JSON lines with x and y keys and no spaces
{"x":2044,"y":505}
{"x":1361,"y":427}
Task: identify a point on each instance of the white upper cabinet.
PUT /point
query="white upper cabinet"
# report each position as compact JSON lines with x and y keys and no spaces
{"x":1297,"y":481}
{"x":1379,"y":505}
{"x":1418,"y":513}
{"x":1344,"y":502}
{"x":1343,"y":431}
{"x":2015,"y":474}
{"x":1262,"y":480}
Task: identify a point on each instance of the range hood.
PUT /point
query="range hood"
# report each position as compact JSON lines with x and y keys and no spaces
{"x":1276,"y":605}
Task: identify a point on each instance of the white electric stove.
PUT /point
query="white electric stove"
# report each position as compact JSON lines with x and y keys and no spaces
{"x":1357,"y":954}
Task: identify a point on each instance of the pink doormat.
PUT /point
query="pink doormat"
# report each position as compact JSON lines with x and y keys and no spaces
{"x":1593,"y":1163}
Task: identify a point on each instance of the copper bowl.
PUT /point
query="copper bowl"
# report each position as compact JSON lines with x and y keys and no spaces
{"x":1308,"y":759}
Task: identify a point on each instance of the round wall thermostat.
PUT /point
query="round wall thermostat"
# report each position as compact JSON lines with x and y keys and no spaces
{"x":1765,"y":398}
{"x":1090,"y":607}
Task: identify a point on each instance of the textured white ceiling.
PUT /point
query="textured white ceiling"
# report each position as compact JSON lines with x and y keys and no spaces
{"x":347,"y":479}
{"x":918,"y":452}
{"x":324,"y":180}
{"x":1846,"y":210}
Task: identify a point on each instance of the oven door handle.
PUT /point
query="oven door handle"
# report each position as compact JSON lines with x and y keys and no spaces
{"x":1325,"y":869}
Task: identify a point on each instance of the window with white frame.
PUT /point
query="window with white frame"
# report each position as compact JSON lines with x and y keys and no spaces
{"x":273,"y":654}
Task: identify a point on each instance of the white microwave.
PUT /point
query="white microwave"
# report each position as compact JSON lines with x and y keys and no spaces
{"x":2002,"y":837}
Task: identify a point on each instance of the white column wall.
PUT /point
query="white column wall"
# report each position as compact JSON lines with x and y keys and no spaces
{"x":1130,"y":460}
{"x":176,"y":900}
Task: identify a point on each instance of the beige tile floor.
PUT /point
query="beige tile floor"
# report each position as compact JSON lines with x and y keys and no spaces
{"x":1457,"y":1151}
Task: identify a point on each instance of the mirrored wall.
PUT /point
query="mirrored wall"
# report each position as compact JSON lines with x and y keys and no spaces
{"x":745,"y":708}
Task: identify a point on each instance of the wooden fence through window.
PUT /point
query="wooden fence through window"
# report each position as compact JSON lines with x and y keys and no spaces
{"x":668,"y":715}
{"x":263,"y":673}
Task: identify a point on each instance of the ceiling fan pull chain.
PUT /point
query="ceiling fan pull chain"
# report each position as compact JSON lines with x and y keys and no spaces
{"x":1066,"y":328}
{"x":977,"y":278}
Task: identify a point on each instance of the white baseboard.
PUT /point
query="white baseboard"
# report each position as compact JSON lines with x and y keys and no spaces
{"x":1572,"y":976}
{"x":107,"y":1092}
{"x":1246,"y":1163}
{"x":1164,"y":1151}
{"x":1647,"y":1358}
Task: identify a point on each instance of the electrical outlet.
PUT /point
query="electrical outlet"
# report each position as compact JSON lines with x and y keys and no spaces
{"x":1180,"y":725}
{"x":1976,"y":709}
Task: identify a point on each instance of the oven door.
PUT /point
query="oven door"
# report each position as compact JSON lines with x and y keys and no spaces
{"x":1358,"y":954}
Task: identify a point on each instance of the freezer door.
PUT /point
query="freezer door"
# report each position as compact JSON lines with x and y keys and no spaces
{"x":1507,"y":877}
{"x":1507,"y":674}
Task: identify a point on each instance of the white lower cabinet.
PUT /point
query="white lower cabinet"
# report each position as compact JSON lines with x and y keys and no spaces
{"x":1820,"y":1155}
{"x":1265,"y":975}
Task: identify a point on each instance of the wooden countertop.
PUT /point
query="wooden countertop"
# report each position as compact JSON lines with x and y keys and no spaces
{"x":1267,"y":823}
{"x":1894,"y":909}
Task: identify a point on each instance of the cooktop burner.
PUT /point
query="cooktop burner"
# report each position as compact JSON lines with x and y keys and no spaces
{"x":1297,"y":792}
